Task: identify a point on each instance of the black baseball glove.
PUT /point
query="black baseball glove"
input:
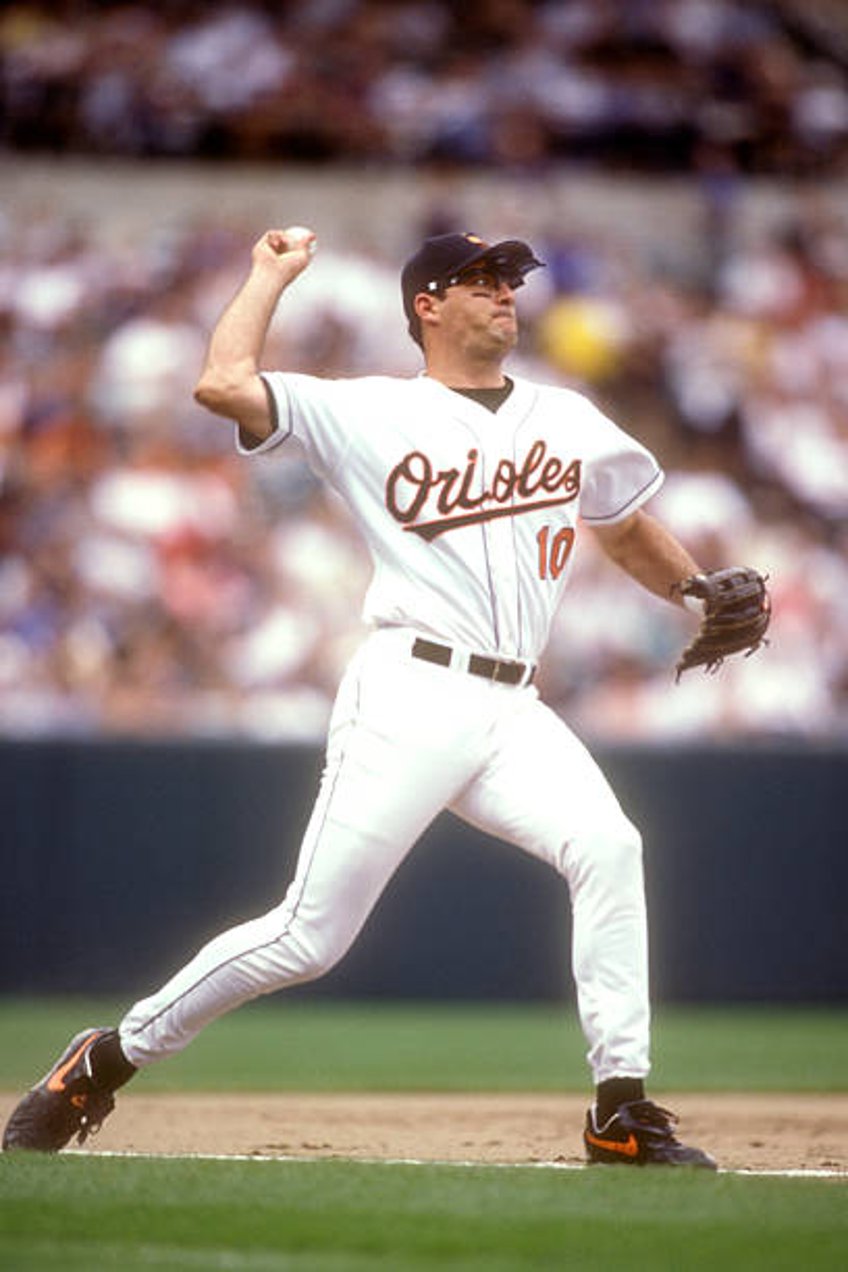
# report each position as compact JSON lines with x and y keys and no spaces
{"x":737,"y":610}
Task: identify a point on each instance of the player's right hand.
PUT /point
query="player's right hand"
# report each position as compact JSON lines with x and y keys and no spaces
{"x":289,"y":250}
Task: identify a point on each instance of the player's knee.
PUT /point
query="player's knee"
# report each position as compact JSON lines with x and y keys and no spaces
{"x":311,"y":953}
{"x":620,"y":854}
{"x":611,"y":855}
{"x":323,"y":960}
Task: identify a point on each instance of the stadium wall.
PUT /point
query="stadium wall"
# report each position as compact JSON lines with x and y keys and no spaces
{"x":121,"y":858}
{"x":381,"y":209}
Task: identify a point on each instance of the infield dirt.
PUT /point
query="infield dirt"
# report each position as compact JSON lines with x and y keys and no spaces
{"x":754,"y":1132}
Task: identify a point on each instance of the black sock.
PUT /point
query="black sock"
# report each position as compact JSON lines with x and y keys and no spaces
{"x":615,"y":1091}
{"x":110,"y":1068}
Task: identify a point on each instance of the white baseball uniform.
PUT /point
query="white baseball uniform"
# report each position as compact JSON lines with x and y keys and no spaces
{"x":471,"y":518}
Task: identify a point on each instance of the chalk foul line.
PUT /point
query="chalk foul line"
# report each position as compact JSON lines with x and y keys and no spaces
{"x":745,"y":1171}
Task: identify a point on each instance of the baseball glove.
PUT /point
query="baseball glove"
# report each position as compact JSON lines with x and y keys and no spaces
{"x":737,"y":610}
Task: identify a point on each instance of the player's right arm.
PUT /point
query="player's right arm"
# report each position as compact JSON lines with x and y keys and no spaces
{"x":230,"y":383}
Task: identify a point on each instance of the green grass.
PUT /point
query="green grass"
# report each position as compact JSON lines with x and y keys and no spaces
{"x":76,"y":1212}
{"x":321,"y":1046}
{"x":349,"y":1217}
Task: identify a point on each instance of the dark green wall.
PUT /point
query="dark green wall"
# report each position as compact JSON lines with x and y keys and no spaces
{"x":119,"y":859}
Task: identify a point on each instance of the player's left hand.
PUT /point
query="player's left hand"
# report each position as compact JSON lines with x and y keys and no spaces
{"x":737,"y":611}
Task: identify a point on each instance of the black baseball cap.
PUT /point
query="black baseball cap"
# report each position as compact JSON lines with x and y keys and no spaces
{"x":440,"y":258}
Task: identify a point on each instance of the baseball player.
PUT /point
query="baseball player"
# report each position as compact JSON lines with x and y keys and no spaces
{"x":472,"y":490}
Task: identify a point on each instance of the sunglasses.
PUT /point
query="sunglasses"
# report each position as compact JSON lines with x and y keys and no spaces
{"x":486,"y":276}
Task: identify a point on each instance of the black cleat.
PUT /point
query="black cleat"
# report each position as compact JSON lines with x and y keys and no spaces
{"x":640,"y":1134}
{"x":66,"y":1102}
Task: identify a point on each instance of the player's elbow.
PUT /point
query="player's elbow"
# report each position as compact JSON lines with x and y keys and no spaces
{"x":204,"y":392}
{"x":237,"y":392}
{"x":216,"y":390}
{"x":223,"y":388}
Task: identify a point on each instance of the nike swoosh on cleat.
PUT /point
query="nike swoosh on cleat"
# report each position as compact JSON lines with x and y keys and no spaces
{"x":55,"y":1081}
{"x":627,"y":1148}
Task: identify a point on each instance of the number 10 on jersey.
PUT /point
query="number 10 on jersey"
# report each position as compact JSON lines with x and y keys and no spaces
{"x":554,"y":552}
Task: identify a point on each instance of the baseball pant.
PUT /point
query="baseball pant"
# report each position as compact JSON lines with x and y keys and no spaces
{"x":406,"y":740}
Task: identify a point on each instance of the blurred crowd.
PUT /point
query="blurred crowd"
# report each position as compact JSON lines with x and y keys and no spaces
{"x":751,"y":86}
{"x":152,"y":581}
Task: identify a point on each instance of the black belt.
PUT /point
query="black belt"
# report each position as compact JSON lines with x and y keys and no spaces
{"x":498,"y":669}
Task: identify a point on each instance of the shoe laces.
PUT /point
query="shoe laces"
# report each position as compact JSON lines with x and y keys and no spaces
{"x":97,"y":1107}
{"x":648,"y":1117}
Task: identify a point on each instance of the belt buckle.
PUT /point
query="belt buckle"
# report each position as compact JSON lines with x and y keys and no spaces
{"x":501,"y":671}
{"x":513,"y":672}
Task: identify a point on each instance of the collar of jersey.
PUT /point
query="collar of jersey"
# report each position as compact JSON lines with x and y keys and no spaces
{"x":510,"y":415}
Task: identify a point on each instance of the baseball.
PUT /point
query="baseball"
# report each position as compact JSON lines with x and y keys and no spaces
{"x":295,"y":234}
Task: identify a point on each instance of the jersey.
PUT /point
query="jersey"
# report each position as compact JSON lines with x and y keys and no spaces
{"x":471,"y":517}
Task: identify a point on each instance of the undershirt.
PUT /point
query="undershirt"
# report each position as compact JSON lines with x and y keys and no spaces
{"x":492,"y":399}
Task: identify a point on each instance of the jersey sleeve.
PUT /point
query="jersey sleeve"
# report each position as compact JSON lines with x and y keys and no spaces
{"x":247,"y":445}
{"x":620,"y":474}
{"x":308,"y":409}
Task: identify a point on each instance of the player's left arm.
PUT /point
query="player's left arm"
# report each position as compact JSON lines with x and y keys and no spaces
{"x":649,"y":553}
{"x":734,"y":603}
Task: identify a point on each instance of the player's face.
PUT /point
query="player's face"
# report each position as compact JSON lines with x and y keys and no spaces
{"x":478,"y":311}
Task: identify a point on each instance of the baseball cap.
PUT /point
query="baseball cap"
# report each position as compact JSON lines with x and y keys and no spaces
{"x":438,"y":259}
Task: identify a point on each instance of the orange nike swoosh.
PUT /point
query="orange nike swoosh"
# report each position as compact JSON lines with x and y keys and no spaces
{"x":55,"y":1082}
{"x":627,"y":1148}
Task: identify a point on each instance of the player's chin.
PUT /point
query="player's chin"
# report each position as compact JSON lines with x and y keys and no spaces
{"x":505,"y":335}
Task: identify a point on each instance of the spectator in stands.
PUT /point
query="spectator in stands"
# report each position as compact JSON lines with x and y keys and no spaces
{"x":620,"y":84}
{"x":142,"y":584}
